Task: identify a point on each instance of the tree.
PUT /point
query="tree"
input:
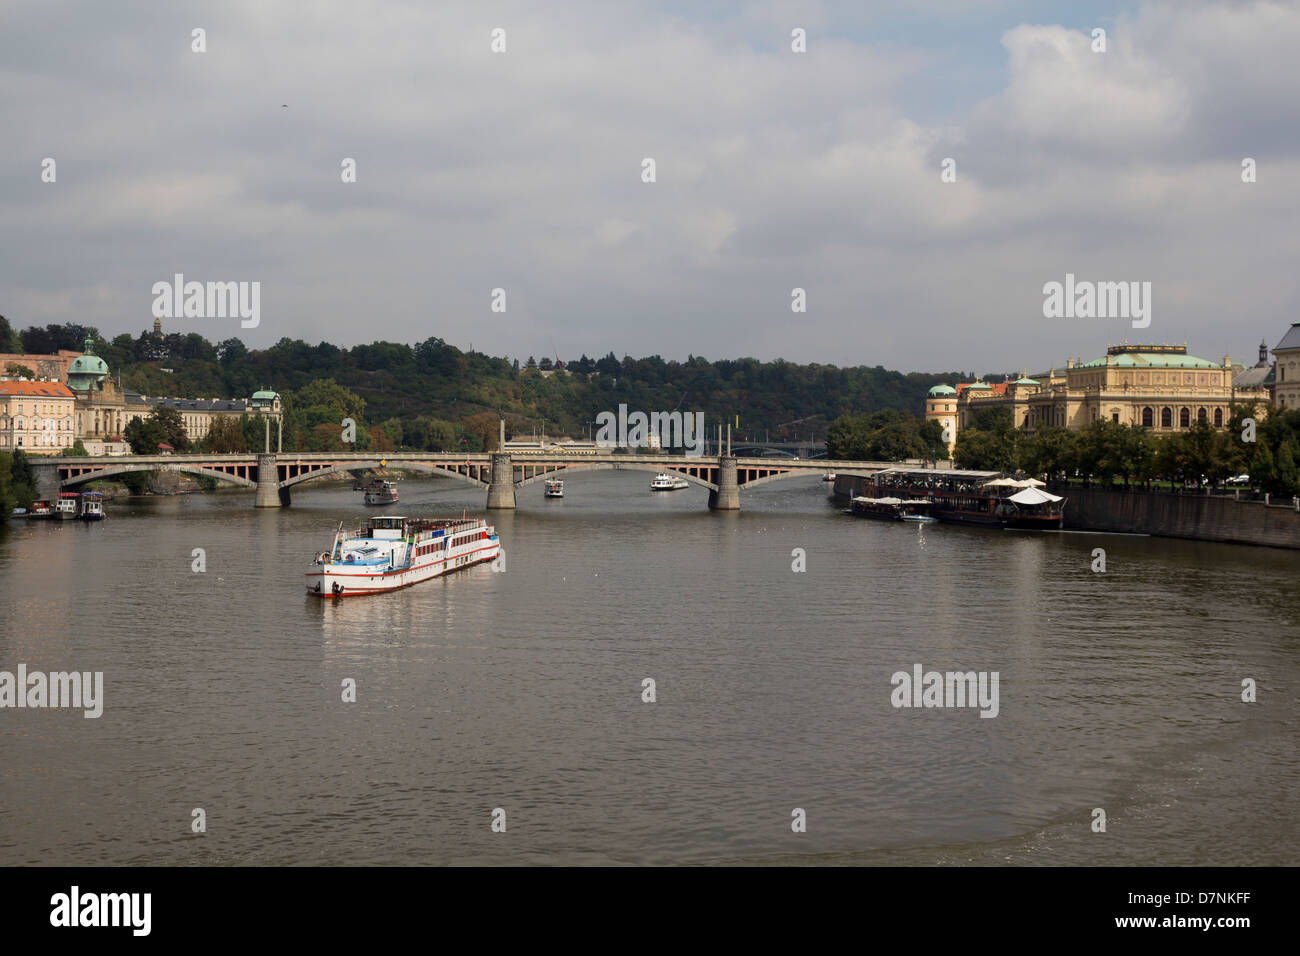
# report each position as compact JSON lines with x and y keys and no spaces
{"x":1288,"y":481}
{"x":1263,"y":471}
{"x":6,"y":482}
{"x":78,"y":450}
{"x":226,"y":436}
{"x":21,"y":487}
{"x":14,"y":370}
{"x":164,"y":425}
{"x":230,"y":351}
{"x":10,"y":341}
{"x":484,"y":427}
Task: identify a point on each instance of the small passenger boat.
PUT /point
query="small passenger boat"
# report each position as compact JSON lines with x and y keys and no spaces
{"x":92,"y":506}
{"x":65,"y":508}
{"x":554,"y":488}
{"x":381,"y":493}
{"x":666,"y":482}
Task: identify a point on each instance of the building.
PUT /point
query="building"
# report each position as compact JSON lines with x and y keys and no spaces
{"x":1160,"y":387}
{"x":1255,"y":384}
{"x":36,"y":416}
{"x":103,"y":409}
{"x":1286,"y":386}
{"x":941,"y":406}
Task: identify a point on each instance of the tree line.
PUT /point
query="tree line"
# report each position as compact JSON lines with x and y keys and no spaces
{"x":1111,"y":453}
{"x":433,"y":396}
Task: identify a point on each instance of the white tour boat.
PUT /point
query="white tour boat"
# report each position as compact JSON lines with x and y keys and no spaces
{"x":666,"y":482}
{"x":391,"y":552}
{"x":554,"y":488}
{"x":381,"y":493}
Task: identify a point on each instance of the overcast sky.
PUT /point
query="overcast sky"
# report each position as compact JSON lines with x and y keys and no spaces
{"x":775,"y":170}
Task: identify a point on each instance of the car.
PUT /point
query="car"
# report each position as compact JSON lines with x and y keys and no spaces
{"x":1238,"y":480}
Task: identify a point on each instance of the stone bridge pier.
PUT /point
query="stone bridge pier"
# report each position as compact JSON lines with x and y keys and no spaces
{"x":727,"y":497}
{"x":269,"y":492}
{"x":45,"y":476}
{"x":501,"y":490}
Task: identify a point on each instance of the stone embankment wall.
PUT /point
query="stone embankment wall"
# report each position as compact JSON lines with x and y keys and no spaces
{"x":1199,"y":517}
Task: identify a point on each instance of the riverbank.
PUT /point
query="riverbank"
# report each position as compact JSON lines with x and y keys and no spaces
{"x":1196,"y":517}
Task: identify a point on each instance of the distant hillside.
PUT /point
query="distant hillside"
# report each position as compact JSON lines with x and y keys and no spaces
{"x":438,"y":381}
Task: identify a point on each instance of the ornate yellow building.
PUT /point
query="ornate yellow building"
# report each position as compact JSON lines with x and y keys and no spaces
{"x":1159,"y":387}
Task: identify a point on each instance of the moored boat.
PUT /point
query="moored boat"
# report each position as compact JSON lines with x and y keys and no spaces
{"x":388,"y":553}
{"x":829,"y":476}
{"x":40,"y":509}
{"x":92,"y":506}
{"x":65,"y":508}
{"x":381,"y":493}
{"x":666,"y":482}
{"x":891,"y":509}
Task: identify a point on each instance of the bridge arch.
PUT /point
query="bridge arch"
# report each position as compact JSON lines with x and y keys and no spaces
{"x":440,"y":470}
{"x":623,"y":466}
{"x":108,"y":472}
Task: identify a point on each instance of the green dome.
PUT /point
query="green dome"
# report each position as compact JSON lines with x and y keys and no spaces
{"x":1024,"y":381}
{"x":88,"y":370}
{"x":943,"y":390}
{"x":88,"y":365}
{"x":265,"y":396}
{"x":980,"y":385}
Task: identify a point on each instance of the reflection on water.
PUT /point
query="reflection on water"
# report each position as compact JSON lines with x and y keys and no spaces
{"x":522,"y":689}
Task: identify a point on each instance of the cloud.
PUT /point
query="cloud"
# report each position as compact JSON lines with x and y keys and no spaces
{"x":775,"y":170}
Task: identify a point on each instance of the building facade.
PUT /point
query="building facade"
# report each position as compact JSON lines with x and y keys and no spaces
{"x":1160,"y":387}
{"x":36,"y":416}
{"x":1286,"y":385}
{"x":103,"y":409}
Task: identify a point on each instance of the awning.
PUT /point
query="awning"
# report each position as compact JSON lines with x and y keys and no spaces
{"x":1032,"y":496}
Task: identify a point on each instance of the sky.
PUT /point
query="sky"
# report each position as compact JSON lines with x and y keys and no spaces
{"x":774,"y":170}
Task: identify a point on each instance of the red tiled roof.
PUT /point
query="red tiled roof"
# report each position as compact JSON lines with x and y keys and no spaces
{"x":46,"y":389}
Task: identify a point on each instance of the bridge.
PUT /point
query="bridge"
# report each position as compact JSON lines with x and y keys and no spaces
{"x":272,"y":476}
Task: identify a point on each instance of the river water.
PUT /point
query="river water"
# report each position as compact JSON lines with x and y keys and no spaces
{"x":522,"y":690}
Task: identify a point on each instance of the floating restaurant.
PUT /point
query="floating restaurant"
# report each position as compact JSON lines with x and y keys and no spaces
{"x":989,"y":498}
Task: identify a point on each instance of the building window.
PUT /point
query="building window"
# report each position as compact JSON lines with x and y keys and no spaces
{"x":1218,"y":418}
{"x":1201,"y":415}
{"x":1166,"y":417}
{"x":1184,"y":417}
{"x":1114,"y":417}
{"x":1147,"y":416}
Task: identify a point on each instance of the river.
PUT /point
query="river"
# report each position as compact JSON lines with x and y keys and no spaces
{"x":523,"y":689}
